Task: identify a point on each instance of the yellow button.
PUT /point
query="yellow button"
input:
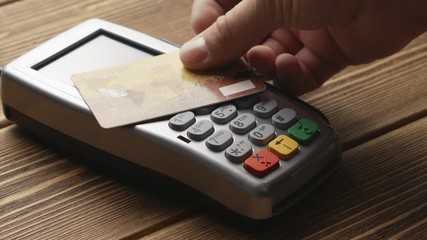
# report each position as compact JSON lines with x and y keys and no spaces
{"x":283,"y":146}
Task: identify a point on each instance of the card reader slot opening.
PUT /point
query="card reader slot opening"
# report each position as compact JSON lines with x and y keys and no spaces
{"x":184,"y":139}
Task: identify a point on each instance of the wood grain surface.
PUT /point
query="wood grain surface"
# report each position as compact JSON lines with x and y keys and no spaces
{"x":379,"y":110}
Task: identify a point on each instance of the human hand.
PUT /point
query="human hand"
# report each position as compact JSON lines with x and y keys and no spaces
{"x":300,"y":43}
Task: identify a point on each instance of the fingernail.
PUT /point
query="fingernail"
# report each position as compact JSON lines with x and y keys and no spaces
{"x":194,"y":51}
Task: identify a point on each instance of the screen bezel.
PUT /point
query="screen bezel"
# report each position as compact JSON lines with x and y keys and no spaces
{"x":100,"y":32}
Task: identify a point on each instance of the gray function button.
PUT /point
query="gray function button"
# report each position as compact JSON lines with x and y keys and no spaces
{"x":219,"y":140}
{"x":182,"y":121}
{"x":285,"y":118}
{"x":247,"y":102}
{"x":243,"y":123}
{"x":265,"y":109}
{"x":262,"y":134}
{"x":200,"y":130}
{"x":239,"y":152}
{"x":224,"y":114}
{"x":204,"y":110}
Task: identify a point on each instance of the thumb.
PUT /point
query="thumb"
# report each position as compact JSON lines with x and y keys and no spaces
{"x":230,"y":36}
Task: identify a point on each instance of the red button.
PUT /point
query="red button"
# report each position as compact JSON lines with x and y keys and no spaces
{"x":262,"y":163}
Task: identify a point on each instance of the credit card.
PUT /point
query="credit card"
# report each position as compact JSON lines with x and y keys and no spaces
{"x":160,"y":86}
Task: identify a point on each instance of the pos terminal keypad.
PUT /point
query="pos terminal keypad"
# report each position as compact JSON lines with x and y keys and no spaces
{"x":276,"y":131}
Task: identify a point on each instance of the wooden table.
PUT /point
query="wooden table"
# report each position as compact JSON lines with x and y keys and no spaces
{"x":379,"y":110}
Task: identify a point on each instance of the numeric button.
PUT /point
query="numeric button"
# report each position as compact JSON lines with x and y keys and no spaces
{"x":265,"y":109}
{"x":224,"y":114}
{"x":219,"y":140}
{"x":200,"y":130}
{"x":243,"y":123}
{"x":262,"y":134}
{"x":182,"y":121}
{"x":204,"y":110}
{"x":247,"y":102}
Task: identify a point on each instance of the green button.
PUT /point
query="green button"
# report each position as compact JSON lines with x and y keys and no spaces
{"x":304,"y":131}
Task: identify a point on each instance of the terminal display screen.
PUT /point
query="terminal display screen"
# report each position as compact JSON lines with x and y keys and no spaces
{"x":98,"y":52}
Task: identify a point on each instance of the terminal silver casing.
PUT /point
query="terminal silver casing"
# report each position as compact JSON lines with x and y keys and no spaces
{"x":29,"y":93}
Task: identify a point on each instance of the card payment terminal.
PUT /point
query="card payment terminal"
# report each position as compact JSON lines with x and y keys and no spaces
{"x":257,"y":155}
